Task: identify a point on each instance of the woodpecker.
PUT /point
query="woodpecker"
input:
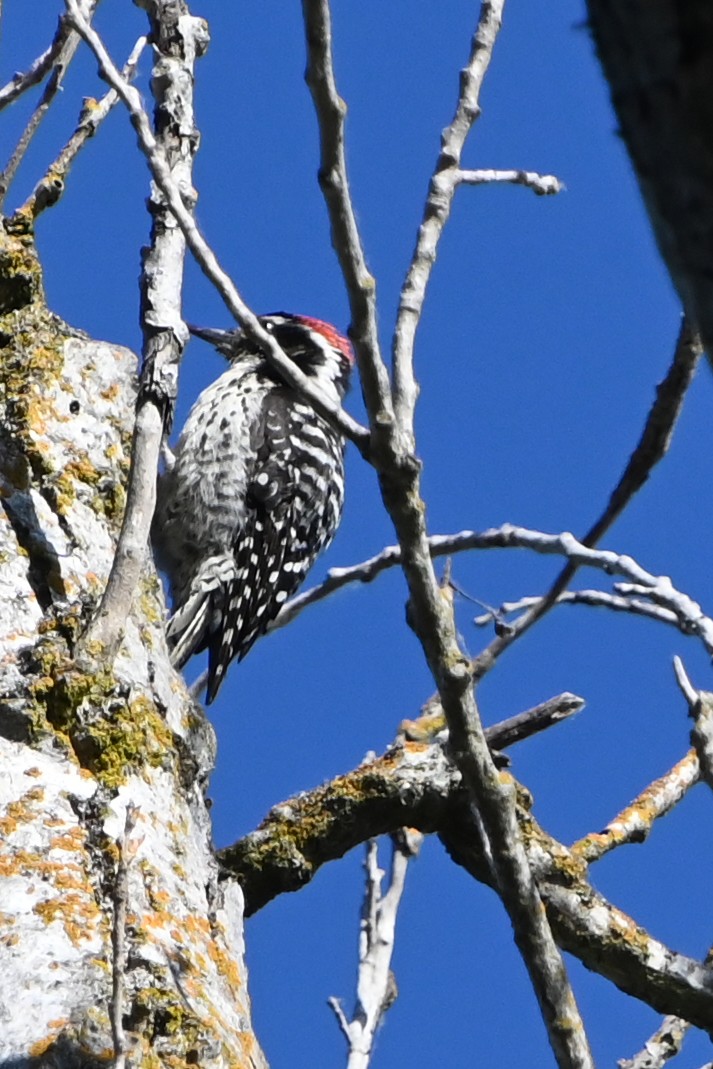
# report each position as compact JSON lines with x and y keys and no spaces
{"x":254,"y":494}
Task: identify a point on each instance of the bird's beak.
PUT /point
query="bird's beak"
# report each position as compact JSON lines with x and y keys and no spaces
{"x":214,"y":337}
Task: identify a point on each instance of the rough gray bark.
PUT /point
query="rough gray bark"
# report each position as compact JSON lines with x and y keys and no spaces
{"x":81,"y":742}
{"x":656,"y":55}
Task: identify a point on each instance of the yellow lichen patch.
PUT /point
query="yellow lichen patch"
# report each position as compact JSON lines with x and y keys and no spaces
{"x":19,"y":862}
{"x":65,"y":484}
{"x":8,"y":824}
{"x":36,"y":794}
{"x":151,"y":923}
{"x":59,"y":1022}
{"x":70,"y":896}
{"x":248,"y":1046}
{"x":425,"y":728}
{"x":111,"y":392}
{"x":159,"y":899}
{"x":20,"y":811}
{"x":43,"y":1045}
{"x":78,"y":913}
{"x":165,"y":1014}
{"x":150,"y":602}
{"x":225,"y":963}
{"x":73,"y":840}
{"x":32,"y":364}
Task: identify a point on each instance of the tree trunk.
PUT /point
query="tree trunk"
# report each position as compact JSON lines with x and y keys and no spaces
{"x":116,"y":938}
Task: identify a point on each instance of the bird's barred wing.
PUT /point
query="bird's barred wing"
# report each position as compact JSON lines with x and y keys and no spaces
{"x":294,"y":503}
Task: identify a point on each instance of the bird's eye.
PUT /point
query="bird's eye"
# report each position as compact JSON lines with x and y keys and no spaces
{"x":269,"y":327}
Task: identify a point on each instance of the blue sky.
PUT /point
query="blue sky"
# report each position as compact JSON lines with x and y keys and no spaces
{"x":547,"y":326}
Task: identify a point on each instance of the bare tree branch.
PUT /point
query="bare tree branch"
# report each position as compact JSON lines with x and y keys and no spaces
{"x":700,"y":705}
{"x":376,"y":986}
{"x":687,"y":689}
{"x":127,"y":851}
{"x":652,"y":446}
{"x":664,"y":1044}
{"x":264,"y":876}
{"x":361,"y":286}
{"x":20,"y":82}
{"x":204,"y":256}
{"x":178,"y":40}
{"x":598,"y":599}
{"x":430,"y":612}
{"x":443,"y":184}
{"x":50,"y":188}
{"x":670,"y":606}
{"x":635,"y":822}
{"x":60,"y":62}
{"x":545,"y":185}
{"x":417,"y":785}
{"x":531,"y":722}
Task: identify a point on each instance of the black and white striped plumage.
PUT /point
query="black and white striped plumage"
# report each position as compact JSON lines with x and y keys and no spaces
{"x":255,"y":492}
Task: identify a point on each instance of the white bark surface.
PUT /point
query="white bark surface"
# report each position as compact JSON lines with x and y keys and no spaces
{"x":79,"y":742}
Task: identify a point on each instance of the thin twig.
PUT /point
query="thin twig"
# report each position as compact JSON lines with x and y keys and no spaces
{"x":496,"y":538}
{"x":598,"y":599}
{"x":178,"y":40}
{"x":336,"y":1006}
{"x":505,"y":733}
{"x":21,"y":82}
{"x":652,"y":446}
{"x":204,"y":256}
{"x":545,"y":185}
{"x":687,"y":689}
{"x":700,"y":708}
{"x":60,"y":63}
{"x":334,"y":181}
{"x":376,"y":986}
{"x":50,"y":188}
{"x":443,"y":184}
{"x":532,"y":721}
{"x":635,"y":822}
{"x":127,"y":851}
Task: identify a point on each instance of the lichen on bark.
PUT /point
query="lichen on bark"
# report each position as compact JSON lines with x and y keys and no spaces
{"x":81,"y":739}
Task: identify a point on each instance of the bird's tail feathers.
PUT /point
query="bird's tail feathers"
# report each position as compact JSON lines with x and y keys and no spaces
{"x":188,"y":630}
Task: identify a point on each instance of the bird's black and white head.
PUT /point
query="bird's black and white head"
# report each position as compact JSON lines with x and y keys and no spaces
{"x":317,"y":348}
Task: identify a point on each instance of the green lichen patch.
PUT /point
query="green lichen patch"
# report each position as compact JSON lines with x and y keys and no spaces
{"x":110,"y":733}
{"x":20,"y":272}
{"x":163,"y":1020}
